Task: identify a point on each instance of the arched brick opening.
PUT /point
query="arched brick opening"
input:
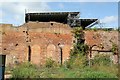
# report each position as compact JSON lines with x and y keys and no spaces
{"x":51,"y":52}
{"x":66,"y":52}
{"x":17,"y":54}
{"x":35,"y":54}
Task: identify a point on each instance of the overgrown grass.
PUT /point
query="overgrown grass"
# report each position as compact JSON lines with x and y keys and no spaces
{"x":25,"y":70}
{"x":73,"y":68}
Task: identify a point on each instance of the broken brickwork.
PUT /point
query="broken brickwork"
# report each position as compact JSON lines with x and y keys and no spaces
{"x":39,"y":39}
{"x":102,"y":42}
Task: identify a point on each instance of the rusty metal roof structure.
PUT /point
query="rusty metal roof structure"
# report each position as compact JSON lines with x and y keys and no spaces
{"x":70,"y":18}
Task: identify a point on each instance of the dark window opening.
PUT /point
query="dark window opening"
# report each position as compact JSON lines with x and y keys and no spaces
{"x":73,"y":41}
{"x":51,"y":23}
{"x":94,"y":37}
{"x":16,"y":44}
{"x":4,"y":48}
{"x":61,"y":55}
{"x":29,"y":53}
{"x":23,"y":31}
{"x":58,"y":44}
{"x":26,"y":32}
{"x":16,"y":62}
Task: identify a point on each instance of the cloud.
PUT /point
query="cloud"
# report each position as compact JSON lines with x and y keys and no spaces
{"x":17,"y":17}
{"x":61,"y":5}
{"x":16,"y":10}
{"x":1,"y":13}
{"x":109,"y":19}
{"x":60,"y":0}
{"x":19,"y":8}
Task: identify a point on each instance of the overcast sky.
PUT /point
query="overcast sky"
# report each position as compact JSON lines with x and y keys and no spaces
{"x":106,"y":12}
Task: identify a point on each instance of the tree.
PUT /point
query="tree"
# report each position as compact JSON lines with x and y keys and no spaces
{"x":79,"y":46}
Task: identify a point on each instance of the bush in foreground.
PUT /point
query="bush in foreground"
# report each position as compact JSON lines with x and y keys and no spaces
{"x":25,"y":70}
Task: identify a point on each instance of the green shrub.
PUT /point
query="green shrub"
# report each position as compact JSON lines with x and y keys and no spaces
{"x":51,"y":63}
{"x":114,"y":48}
{"x":95,"y":29}
{"x":118,"y":29}
{"x":79,"y":61}
{"x":97,"y":74}
{"x":103,"y":68}
{"x":68,"y":64}
{"x":102,"y":60}
{"x":25,"y":70}
{"x":76,"y":61}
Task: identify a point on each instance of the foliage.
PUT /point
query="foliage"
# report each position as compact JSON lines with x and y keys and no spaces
{"x":78,"y":32}
{"x":95,"y":29}
{"x":118,"y":29}
{"x":76,"y":61}
{"x":79,"y":47}
{"x":114,"y":48}
{"x":77,"y":70}
{"x":102,"y":60}
{"x":75,"y":67}
{"x":25,"y":70}
{"x":50,"y":63}
{"x":107,"y":29}
{"x":68,"y":64}
{"x":96,"y":74}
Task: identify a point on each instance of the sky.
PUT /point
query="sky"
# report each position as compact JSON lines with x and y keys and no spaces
{"x":106,"y":12}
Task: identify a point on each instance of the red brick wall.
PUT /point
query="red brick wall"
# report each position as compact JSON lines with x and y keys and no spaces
{"x":43,"y":39}
{"x":43,"y":43}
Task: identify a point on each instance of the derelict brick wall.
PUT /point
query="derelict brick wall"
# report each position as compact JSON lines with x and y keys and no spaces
{"x":43,"y":39}
{"x":48,"y":45}
{"x":100,"y":37}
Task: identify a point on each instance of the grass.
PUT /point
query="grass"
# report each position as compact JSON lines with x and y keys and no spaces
{"x":74,"y":68}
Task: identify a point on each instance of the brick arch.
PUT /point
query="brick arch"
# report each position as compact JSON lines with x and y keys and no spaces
{"x":17,"y":55}
{"x":66,"y":52}
{"x":35,"y":54}
{"x":51,"y":50}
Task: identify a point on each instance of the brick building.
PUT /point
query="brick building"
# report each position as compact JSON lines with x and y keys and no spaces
{"x":44,"y":35}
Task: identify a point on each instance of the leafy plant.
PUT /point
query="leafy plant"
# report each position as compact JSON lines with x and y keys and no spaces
{"x":97,"y":74}
{"x":95,"y":29}
{"x":118,"y":29}
{"x":114,"y":48}
{"x":79,"y":47}
{"x":25,"y":70}
{"x":50,"y":63}
{"x":78,"y":32}
{"x":102,"y":60}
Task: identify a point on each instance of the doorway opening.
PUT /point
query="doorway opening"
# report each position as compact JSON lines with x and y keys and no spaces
{"x":29,"y":53}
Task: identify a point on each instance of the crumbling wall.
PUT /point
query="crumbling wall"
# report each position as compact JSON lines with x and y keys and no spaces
{"x":103,"y":38}
{"x":49,"y":27}
{"x":103,"y":41}
{"x":39,"y":39}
